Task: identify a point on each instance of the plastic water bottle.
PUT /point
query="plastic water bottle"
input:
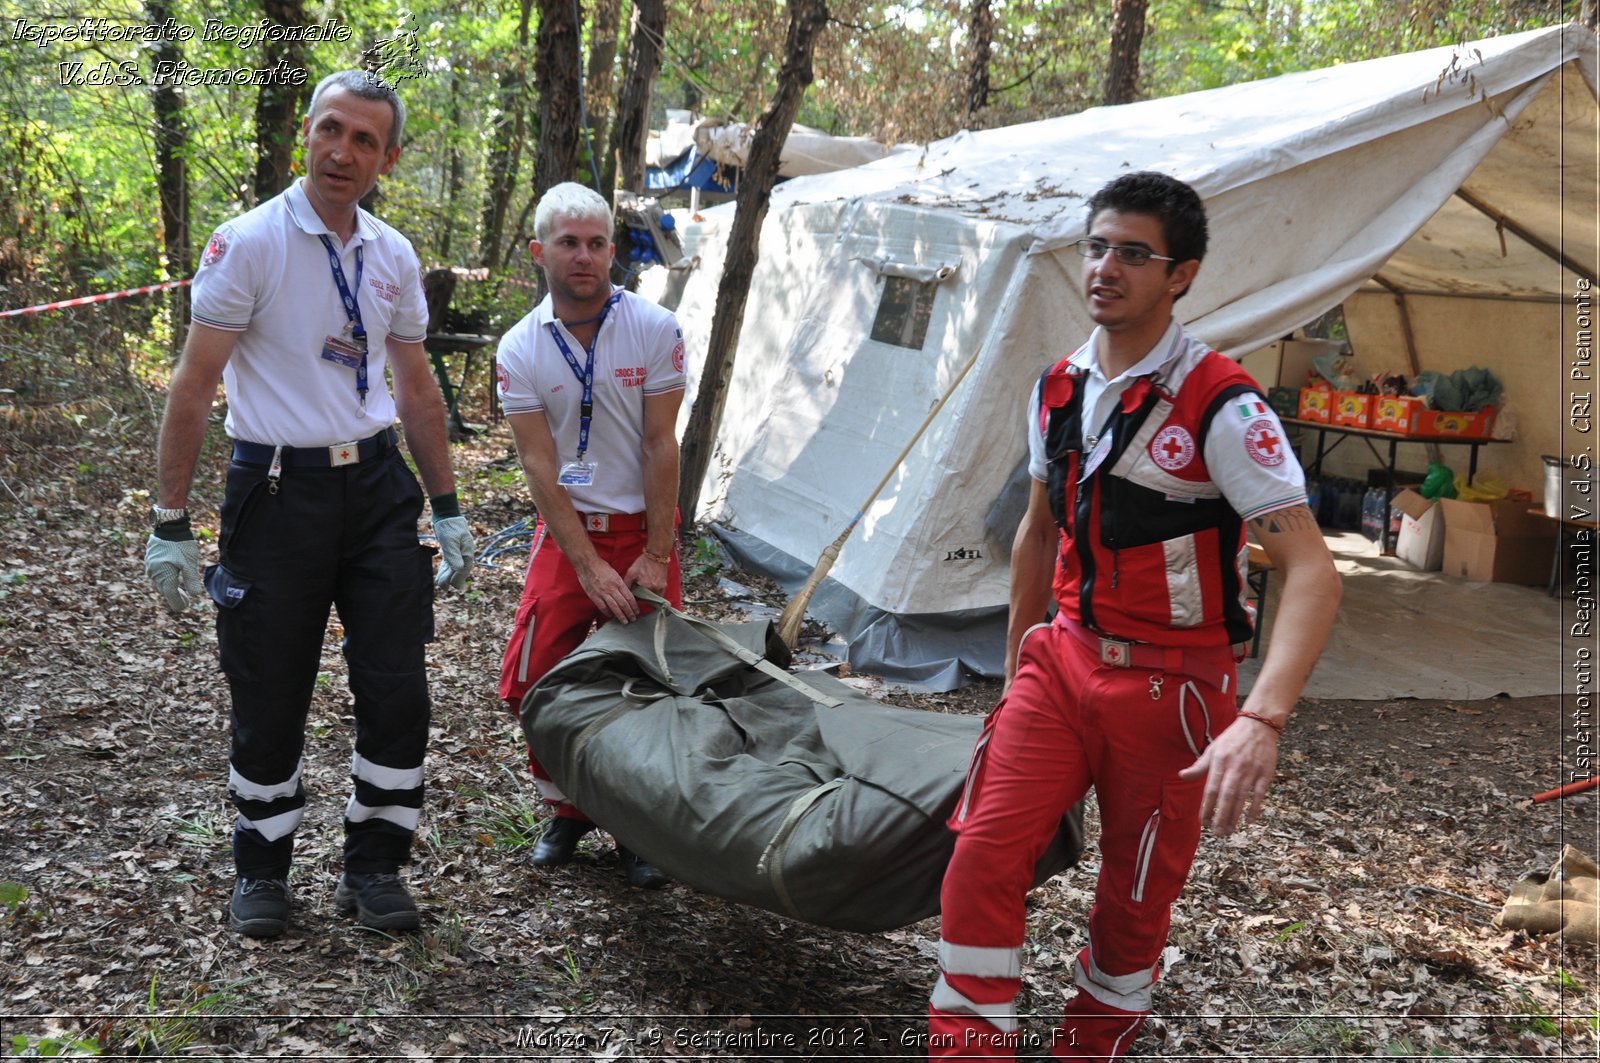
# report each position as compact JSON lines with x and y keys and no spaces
{"x":1372,"y":513}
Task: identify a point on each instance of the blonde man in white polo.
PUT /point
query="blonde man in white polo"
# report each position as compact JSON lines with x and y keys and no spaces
{"x":590,"y":382}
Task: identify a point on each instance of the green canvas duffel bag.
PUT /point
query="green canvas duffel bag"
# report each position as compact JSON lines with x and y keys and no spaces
{"x":795,"y":793}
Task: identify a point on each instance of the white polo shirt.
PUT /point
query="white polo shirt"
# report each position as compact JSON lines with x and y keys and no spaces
{"x":1246,"y":452}
{"x":638,"y":352}
{"x":266,"y":276}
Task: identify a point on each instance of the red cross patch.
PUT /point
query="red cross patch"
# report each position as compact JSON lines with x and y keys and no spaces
{"x":1172,"y":448}
{"x":1263,"y":441}
{"x":502,"y":378}
{"x":214,"y":250}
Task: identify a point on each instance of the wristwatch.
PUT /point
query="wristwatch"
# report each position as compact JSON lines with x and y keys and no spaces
{"x":162,"y":516}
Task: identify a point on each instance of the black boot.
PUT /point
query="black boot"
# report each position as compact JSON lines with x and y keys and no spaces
{"x":641,"y":874}
{"x":559,"y":840}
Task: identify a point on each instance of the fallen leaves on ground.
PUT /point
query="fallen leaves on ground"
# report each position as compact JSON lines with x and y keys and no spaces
{"x":1354,"y":919}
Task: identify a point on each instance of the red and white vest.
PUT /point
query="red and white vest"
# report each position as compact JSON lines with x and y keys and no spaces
{"x":1150,"y":550}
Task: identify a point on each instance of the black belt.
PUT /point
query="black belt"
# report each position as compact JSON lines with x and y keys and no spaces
{"x":316,"y":457}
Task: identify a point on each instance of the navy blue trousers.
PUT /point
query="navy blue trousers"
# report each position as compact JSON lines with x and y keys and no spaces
{"x":344,"y":538}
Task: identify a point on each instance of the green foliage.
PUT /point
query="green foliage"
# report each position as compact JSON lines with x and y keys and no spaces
{"x":12,"y":894}
{"x":78,"y":191}
{"x":707,"y":558}
{"x":52,"y":1047}
{"x":1202,"y":44}
{"x":504,"y":823}
{"x":162,"y":1029}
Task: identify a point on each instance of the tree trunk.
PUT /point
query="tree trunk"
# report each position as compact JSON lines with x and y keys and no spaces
{"x":1127,"y":34}
{"x":980,"y":38}
{"x":806,"y":21}
{"x":558,"y":81}
{"x":599,"y":86}
{"x":278,"y":106}
{"x":455,"y":174}
{"x":632,"y":128}
{"x":505,"y":150}
{"x":171,"y":136}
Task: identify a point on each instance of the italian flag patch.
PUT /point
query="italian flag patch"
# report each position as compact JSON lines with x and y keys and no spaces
{"x":1250,"y":408}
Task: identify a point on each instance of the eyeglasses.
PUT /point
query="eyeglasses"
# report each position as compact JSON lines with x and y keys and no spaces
{"x":1127,"y":254}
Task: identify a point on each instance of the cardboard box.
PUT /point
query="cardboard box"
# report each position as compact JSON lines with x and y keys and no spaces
{"x":1352,"y":408}
{"x":1499,"y":542}
{"x":1421,"y":540}
{"x":1476,"y":425}
{"x":1396,"y":413}
{"x":1316,"y":404}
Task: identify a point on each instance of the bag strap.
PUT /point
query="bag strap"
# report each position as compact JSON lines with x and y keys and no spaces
{"x":721,"y":639}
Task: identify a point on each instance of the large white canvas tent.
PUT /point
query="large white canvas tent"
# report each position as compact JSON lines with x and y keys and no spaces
{"x":1463,"y":175}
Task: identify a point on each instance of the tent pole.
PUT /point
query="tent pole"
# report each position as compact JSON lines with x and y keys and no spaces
{"x":1549,"y":251}
{"x":1435,"y":455}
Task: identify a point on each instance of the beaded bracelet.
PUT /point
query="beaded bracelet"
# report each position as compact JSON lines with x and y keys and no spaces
{"x":1258,"y":718}
{"x":660,"y":559}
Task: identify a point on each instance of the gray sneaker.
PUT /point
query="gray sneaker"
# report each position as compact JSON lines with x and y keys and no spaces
{"x":380,"y":901}
{"x":260,"y":907}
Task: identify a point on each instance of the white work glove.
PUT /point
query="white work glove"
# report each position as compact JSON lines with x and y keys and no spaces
{"x":174,"y":567}
{"x":455,"y":552}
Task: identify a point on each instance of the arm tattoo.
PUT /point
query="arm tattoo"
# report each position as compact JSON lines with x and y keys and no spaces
{"x":1283,"y":520}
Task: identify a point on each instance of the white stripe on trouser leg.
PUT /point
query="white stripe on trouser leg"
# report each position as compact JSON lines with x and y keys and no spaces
{"x":1002,"y":1016}
{"x":385,"y":778}
{"x":249,"y":790}
{"x":549,"y":791}
{"x":527,"y":637}
{"x":1185,"y":692}
{"x":1147,"y":846}
{"x":274,"y":827}
{"x":356,"y":812}
{"x":1116,"y":1046}
{"x":1127,"y":992}
{"x":979,"y":961}
{"x":524,"y":652}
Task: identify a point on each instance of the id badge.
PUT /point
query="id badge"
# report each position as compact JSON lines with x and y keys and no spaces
{"x":576,"y":474}
{"x":1096,"y":456}
{"x":342,"y":351}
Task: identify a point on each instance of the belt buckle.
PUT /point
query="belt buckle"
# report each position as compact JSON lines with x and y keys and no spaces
{"x":597,"y":522}
{"x":1115,"y":652}
{"x":343,"y":454}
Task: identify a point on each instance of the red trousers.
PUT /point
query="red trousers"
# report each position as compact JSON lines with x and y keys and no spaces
{"x":555,"y":615}
{"x":1069,"y":722}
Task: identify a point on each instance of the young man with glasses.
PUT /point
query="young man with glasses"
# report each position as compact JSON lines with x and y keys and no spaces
{"x":1150,"y":454}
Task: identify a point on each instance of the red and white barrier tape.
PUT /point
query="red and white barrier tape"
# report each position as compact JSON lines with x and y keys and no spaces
{"x":87,"y":299}
{"x":147,"y":289}
{"x":482,"y":274}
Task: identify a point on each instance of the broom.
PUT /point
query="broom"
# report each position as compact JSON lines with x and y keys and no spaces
{"x":794,"y":613}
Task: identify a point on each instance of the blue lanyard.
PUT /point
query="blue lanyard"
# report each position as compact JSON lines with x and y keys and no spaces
{"x":585,"y":374}
{"x":352,"y":310}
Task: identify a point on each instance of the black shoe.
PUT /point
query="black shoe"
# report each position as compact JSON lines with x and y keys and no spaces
{"x":559,"y":840}
{"x":260,"y":907}
{"x":641,"y":874}
{"x":380,"y":901}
